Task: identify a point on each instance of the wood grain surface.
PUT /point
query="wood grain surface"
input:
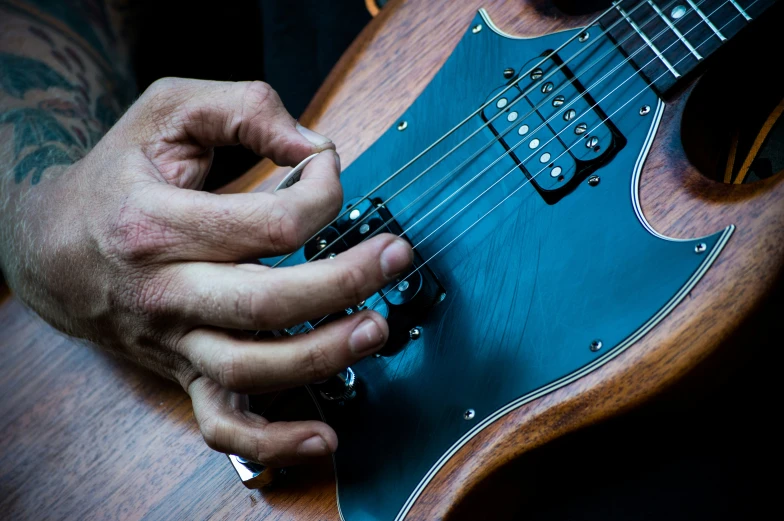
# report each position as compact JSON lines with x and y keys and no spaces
{"x":86,"y":436}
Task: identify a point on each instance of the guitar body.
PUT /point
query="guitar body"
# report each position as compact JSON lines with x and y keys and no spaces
{"x":549,"y":310}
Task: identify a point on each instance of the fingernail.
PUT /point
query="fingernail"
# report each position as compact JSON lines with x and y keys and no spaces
{"x":312,"y":447}
{"x":366,"y":338}
{"x":396,"y":257}
{"x":314,"y":137}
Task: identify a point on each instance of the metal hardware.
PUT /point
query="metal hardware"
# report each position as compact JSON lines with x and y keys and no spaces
{"x":555,"y":172}
{"x":596,"y":345}
{"x":501,"y":103}
{"x":591,"y":142}
{"x":594,"y":180}
{"x":512,"y":116}
{"x":569,"y":114}
{"x":415,"y":333}
{"x":333,"y":255}
{"x":508,"y":73}
{"x":544,"y":158}
{"x":364,"y":228}
{"x":470,"y":414}
{"x":523,"y":130}
{"x":536,"y":74}
{"x":534,"y":143}
{"x":476,"y":28}
{"x":402,"y":286}
{"x":402,"y":125}
{"x":322,"y":244}
{"x":558,"y":101}
{"x":645,"y":110}
{"x":677,"y":12}
{"x":548,"y":87}
{"x":583,"y":37}
{"x":441,"y":297}
{"x":700,"y":248}
{"x":580,"y":128}
{"x":354,"y":215}
{"x":341,"y":387}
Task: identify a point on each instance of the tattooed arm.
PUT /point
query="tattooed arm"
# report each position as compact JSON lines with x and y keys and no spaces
{"x":109,"y":238}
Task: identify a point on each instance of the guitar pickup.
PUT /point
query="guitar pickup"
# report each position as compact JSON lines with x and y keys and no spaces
{"x":552,"y":129}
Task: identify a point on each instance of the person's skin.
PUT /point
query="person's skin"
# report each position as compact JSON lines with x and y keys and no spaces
{"x":110,"y":239}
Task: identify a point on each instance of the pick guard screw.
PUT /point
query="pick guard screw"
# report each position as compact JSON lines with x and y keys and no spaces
{"x":402,"y":125}
{"x":476,"y":28}
{"x":596,"y":345}
{"x":594,"y":180}
{"x":415,"y":333}
{"x":508,"y":73}
{"x":470,"y":414}
{"x":700,"y":248}
{"x":644,"y":110}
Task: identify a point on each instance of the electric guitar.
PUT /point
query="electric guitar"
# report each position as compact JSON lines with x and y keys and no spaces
{"x":572,"y":261}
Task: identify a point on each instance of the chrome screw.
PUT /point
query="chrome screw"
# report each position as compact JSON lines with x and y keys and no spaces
{"x":700,"y":248}
{"x":476,"y":28}
{"x":583,"y":37}
{"x":594,"y":180}
{"x":322,"y":244}
{"x":508,"y":73}
{"x":415,"y":333}
{"x":596,"y":345}
{"x":536,"y":74}
{"x":402,"y":126}
{"x":644,"y":110}
{"x":581,"y":128}
{"x":470,"y":414}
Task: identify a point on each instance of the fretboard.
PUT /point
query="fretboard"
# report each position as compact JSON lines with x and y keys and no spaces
{"x":667,"y":39}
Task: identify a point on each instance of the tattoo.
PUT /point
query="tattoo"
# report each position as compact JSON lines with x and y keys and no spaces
{"x":69,"y":97}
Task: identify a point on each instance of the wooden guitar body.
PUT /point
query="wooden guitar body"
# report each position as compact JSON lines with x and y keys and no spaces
{"x":560,"y":308}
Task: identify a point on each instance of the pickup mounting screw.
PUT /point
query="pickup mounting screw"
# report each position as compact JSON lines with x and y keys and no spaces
{"x":322,"y":244}
{"x":596,"y":345}
{"x":415,"y":333}
{"x":475,"y":29}
{"x":364,"y":229}
{"x":700,"y":248}
{"x":644,"y":110}
{"x":470,"y":414}
{"x":537,"y":74}
{"x":569,"y":115}
{"x":594,"y":180}
{"x":583,"y":37}
{"x":580,"y":128}
{"x":548,"y":87}
{"x":402,"y":126}
{"x":508,"y":73}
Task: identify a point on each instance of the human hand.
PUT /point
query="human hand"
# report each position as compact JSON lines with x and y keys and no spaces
{"x":124,"y":250}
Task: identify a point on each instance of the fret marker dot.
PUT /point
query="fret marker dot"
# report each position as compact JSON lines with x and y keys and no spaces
{"x":512,"y":116}
{"x":523,"y":130}
{"x":534,"y":143}
{"x":555,"y":172}
{"x":501,"y":103}
{"x":545,"y":157}
{"x":677,"y":12}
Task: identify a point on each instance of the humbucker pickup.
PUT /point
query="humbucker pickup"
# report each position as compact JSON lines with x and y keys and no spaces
{"x":553,"y":130}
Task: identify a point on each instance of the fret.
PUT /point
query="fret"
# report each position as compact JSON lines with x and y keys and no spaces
{"x":675,"y":30}
{"x":741,"y":10}
{"x":645,"y":38}
{"x":706,"y":20}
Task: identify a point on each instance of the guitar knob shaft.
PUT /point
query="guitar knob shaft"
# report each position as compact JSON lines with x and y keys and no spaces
{"x":340,"y":387}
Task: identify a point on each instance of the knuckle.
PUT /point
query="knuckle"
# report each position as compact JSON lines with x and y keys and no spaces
{"x":282,"y":229}
{"x":318,"y":363}
{"x":257,"y":95}
{"x":151,"y":296}
{"x":136,"y":235}
{"x":231,"y":372}
{"x":351,"y":283}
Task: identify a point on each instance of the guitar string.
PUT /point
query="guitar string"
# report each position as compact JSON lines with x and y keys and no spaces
{"x":470,"y":116}
{"x":520,"y":142}
{"x":504,"y":133}
{"x":487,"y":145}
{"x":577,"y":142}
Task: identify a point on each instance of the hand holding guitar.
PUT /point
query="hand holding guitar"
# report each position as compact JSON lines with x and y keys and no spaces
{"x":124,"y":250}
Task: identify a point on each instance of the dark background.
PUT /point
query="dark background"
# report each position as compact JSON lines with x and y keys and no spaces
{"x":707,"y":450}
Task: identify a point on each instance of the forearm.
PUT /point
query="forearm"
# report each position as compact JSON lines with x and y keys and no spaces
{"x":64,"y":80}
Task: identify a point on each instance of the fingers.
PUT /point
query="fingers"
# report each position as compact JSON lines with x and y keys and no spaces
{"x":213,"y":113}
{"x":230,"y":227}
{"x":257,"y":297}
{"x":254,"y":367}
{"x":227,"y":427}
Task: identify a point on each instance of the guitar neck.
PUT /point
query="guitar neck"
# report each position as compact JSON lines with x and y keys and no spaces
{"x":667,"y":40}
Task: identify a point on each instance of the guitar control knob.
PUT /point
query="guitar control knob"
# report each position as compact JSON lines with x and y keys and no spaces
{"x":340,"y":387}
